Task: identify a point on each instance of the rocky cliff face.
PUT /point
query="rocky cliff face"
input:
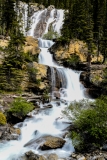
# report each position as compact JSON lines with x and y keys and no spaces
{"x":74,"y":55}
{"x":61,"y":53}
{"x":64,"y":52}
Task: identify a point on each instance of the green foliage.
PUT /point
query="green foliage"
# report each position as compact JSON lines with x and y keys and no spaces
{"x":90,"y":119}
{"x":20,"y":107}
{"x":2,"y":119}
{"x":45,"y":97}
{"x":10,"y":79}
{"x":32,"y":76}
{"x":51,"y":35}
{"x":30,"y":58}
{"x":73,"y":60}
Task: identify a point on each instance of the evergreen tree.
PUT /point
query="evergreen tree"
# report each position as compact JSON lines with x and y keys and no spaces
{"x":99,"y":20}
{"x":8,"y":15}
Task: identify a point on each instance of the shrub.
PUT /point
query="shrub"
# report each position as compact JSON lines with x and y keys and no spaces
{"x":2,"y":119}
{"x":91,"y":122}
{"x":20,"y":107}
{"x":73,"y":60}
{"x":51,"y":35}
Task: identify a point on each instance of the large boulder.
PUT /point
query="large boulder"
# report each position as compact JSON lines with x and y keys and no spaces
{"x":51,"y":142}
{"x":46,"y":143}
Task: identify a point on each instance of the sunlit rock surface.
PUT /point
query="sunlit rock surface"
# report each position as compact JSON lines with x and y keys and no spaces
{"x":62,"y":52}
{"x":31,"y":46}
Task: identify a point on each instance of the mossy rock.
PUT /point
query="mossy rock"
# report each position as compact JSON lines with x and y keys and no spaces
{"x":2,"y":119}
{"x":19,"y":110}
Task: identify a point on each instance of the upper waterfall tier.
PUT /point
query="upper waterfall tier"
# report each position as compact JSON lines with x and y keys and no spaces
{"x":44,"y":20}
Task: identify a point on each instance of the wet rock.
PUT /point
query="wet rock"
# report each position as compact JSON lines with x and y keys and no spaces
{"x":46,"y":143}
{"x":74,"y":155}
{"x":51,"y":142}
{"x":51,"y":7}
{"x":52,"y":157}
{"x":104,"y":148}
{"x":2,"y":109}
{"x":58,"y":103}
{"x":98,"y":158}
{"x":9,"y":133}
{"x":81,"y":158}
{"x":45,"y":107}
{"x":56,"y":94}
{"x":32,"y":156}
{"x":41,"y":7}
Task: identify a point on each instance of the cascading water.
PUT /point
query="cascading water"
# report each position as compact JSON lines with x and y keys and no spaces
{"x":71,"y":87}
{"x":48,"y":122}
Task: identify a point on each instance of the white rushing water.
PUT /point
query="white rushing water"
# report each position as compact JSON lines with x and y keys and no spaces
{"x":49,"y":121}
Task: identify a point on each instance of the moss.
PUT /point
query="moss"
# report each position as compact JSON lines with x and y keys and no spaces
{"x":2,"y":119}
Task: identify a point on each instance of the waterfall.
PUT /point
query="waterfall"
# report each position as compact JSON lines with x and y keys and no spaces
{"x":42,"y":20}
{"x":48,"y":122}
{"x":71,"y":87}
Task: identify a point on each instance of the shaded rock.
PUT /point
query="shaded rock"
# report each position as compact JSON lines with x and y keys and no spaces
{"x":9,"y":133}
{"x":93,"y":92}
{"x":96,"y":77}
{"x":32,"y":156}
{"x":104,"y":148}
{"x":58,"y":103}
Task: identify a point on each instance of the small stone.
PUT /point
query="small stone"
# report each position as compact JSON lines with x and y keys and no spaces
{"x":82,"y":158}
{"x":78,"y":156}
{"x":74,"y":155}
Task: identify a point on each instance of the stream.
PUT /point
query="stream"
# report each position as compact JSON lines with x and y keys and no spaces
{"x":49,"y":121}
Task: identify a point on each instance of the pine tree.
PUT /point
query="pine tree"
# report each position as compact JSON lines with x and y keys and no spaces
{"x":8,"y":15}
{"x":99,"y":20}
